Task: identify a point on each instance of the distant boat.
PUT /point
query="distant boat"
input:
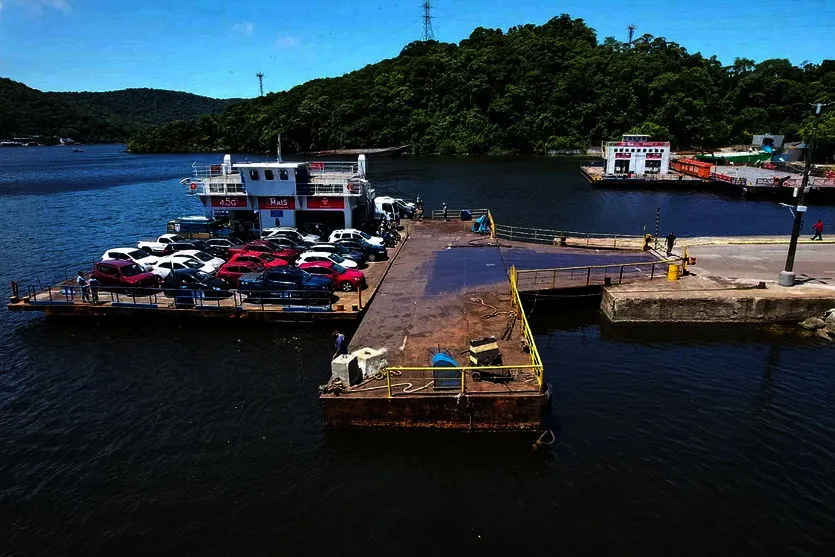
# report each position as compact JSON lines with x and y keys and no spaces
{"x":78,"y":150}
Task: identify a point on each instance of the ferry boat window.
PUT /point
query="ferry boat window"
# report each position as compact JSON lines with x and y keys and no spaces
{"x":253,"y":174}
{"x":268,"y":174}
{"x":282,"y":174}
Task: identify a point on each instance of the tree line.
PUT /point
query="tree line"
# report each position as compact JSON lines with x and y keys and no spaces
{"x":532,"y":89}
{"x":88,"y":117}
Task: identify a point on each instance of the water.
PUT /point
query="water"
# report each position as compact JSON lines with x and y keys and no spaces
{"x":120,"y":437}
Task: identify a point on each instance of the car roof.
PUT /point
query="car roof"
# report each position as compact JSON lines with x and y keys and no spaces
{"x":184,"y":272}
{"x":127,"y":250}
{"x":316,"y":253}
{"x":188,"y":252}
{"x":118,"y":262}
{"x":328,"y":264}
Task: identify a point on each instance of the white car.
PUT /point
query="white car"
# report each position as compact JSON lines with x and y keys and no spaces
{"x":354,"y":234}
{"x":138,"y":256}
{"x":178,"y":261}
{"x":313,"y":256}
{"x":288,"y":232}
{"x":203,"y":257}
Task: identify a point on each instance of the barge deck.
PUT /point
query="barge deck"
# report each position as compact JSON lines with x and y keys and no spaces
{"x":441,"y":294}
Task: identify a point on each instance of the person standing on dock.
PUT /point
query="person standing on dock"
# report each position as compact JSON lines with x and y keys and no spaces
{"x":85,"y":289}
{"x":671,"y":241}
{"x":445,"y":213}
{"x":818,"y":228}
{"x":341,"y":345}
{"x":93,"y":283}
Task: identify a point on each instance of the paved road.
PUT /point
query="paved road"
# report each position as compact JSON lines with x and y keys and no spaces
{"x":813,"y":262}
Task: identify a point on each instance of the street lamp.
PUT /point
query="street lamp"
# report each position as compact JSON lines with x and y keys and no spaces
{"x":786,"y":277}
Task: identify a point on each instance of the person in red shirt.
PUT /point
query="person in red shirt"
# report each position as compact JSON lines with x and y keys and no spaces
{"x":818,"y":228}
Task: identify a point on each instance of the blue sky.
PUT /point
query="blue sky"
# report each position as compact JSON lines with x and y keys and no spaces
{"x":215,"y":48}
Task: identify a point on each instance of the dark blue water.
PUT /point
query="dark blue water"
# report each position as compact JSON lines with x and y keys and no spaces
{"x":125,"y":438}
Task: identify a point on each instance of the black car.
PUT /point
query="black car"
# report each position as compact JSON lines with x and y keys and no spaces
{"x":339,"y":249}
{"x":286,"y":284}
{"x":281,"y":243}
{"x":219,"y":247}
{"x":194,"y":283}
{"x":372,"y":252}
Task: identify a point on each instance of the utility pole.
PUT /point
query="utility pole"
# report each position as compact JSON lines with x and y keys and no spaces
{"x":260,"y":77}
{"x":631,"y":30}
{"x":786,"y":277}
{"x":428,"y":33}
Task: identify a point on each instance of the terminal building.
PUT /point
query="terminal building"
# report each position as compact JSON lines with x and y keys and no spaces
{"x":636,"y":155}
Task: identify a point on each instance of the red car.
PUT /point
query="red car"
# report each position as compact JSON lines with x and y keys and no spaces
{"x":123,"y":275}
{"x":262,"y":259}
{"x":231,"y":271}
{"x":344,"y":279}
{"x":264,"y":246}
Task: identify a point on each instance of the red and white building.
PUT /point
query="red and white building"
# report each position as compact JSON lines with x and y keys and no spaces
{"x":269,"y":194}
{"x":635,"y":154}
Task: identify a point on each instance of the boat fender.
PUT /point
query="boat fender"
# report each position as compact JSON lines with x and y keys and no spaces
{"x":351,"y":188}
{"x":192,"y":186}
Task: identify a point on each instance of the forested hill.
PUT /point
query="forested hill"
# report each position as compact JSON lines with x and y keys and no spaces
{"x":94,"y":117}
{"x":530,"y":89}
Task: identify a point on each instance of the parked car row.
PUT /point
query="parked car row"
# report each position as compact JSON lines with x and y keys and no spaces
{"x":283,"y":264}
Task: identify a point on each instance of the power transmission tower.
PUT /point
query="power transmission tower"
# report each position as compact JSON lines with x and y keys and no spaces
{"x":428,"y":33}
{"x":631,"y":29}
{"x":260,"y":77}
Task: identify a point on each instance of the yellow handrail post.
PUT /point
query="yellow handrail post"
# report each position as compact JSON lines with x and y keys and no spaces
{"x":463,"y":379}
{"x":388,"y":382}
{"x":359,"y":293}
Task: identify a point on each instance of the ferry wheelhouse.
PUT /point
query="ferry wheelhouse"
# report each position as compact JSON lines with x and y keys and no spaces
{"x":258,"y":195}
{"x":635,"y":154}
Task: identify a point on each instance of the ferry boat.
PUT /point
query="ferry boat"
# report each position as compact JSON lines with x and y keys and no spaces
{"x":307,"y":195}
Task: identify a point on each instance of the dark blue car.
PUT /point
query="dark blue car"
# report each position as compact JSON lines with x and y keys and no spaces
{"x":286,"y":285}
{"x":372,"y":252}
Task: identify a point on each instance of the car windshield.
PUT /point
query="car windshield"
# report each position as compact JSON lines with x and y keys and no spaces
{"x":202,"y":276}
{"x":365,"y":235}
{"x":335,"y":258}
{"x":338,"y":268}
{"x":138,"y":254}
{"x":267,"y":257}
{"x":191,"y":263}
{"x":131,"y":270}
{"x":202,"y":256}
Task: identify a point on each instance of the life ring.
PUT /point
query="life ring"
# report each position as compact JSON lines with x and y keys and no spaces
{"x":351,"y":188}
{"x":192,"y":186}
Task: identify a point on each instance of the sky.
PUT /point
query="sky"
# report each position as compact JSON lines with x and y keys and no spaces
{"x":216,"y":47}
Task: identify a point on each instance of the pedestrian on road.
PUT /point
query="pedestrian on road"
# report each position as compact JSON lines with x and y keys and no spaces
{"x":85,"y":289}
{"x":671,"y":241}
{"x":341,"y":345}
{"x":818,"y":228}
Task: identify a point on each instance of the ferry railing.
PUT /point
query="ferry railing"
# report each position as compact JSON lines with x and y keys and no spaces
{"x":69,"y":293}
{"x":352,"y":188}
{"x":565,"y":237}
{"x":572,"y":277}
{"x":323,"y":168}
{"x":455,"y":214}
{"x":459,"y":377}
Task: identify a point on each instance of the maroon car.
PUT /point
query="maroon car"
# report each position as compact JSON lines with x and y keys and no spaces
{"x":124,"y":276}
{"x":266,"y":247}
{"x":231,"y":272}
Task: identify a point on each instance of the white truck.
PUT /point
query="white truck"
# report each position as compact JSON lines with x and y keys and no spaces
{"x":159,"y":247}
{"x":385,"y":206}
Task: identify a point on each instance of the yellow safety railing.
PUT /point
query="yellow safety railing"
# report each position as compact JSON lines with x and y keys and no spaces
{"x":536,"y":361}
{"x":535,"y":366}
{"x":492,"y":224}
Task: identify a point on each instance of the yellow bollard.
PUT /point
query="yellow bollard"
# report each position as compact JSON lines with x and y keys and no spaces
{"x":672,"y":271}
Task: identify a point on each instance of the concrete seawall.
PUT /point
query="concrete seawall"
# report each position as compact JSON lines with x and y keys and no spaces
{"x":713,"y":300}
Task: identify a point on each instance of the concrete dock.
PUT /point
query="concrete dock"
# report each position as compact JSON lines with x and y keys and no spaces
{"x":734,"y":281}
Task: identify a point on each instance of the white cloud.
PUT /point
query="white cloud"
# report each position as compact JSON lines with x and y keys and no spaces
{"x":287,"y":42}
{"x":37,"y":7}
{"x":246,"y":28}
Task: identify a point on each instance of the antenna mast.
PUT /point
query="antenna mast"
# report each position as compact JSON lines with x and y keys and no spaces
{"x":278,"y":150}
{"x":260,"y":77}
{"x":631,"y":30}
{"x":428,"y":33}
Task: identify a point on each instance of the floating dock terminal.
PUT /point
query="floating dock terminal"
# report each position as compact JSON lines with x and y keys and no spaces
{"x":443,"y":295}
